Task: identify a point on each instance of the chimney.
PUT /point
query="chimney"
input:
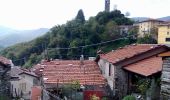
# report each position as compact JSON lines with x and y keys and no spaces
{"x":82,"y":60}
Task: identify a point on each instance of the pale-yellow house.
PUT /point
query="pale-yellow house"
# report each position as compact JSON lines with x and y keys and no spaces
{"x":146,"y":27}
{"x":164,"y":34}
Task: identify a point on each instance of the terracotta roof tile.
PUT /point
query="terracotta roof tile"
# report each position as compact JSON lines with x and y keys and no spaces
{"x":66,"y":71}
{"x":5,"y":61}
{"x":36,"y":93}
{"x":16,"y":71}
{"x":164,"y":54}
{"x":146,"y":67}
{"x":37,"y":69}
{"x":127,"y":52}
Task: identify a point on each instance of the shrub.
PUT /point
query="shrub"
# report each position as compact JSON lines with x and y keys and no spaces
{"x":129,"y":97}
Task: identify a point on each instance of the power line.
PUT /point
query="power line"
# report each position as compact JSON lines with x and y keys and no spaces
{"x":91,"y":45}
{"x":85,"y":46}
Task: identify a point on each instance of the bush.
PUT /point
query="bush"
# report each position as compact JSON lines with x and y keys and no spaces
{"x":129,"y":97}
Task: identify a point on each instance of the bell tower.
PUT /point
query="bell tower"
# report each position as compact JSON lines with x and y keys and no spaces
{"x":107,"y":5}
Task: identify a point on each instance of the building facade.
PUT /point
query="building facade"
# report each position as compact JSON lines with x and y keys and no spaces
{"x":164,"y":34}
{"x":148,"y":26}
{"x":22,"y":82}
{"x":124,"y":29}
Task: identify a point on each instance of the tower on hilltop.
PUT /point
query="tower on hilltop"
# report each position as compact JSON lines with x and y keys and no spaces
{"x":107,"y":5}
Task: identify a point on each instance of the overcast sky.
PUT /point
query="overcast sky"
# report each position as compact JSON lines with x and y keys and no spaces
{"x":32,"y":14}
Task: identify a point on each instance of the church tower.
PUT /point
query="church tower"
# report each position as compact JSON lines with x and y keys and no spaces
{"x":107,"y":5}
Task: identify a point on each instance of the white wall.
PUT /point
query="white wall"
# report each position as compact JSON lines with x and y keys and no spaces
{"x":104,"y":66}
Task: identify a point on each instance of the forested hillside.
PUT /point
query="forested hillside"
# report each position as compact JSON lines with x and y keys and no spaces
{"x":70,"y":40}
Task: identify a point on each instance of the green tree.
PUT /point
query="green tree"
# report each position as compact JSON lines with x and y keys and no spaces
{"x":80,"y":16}
{"x":147,"y":39}
{"x":75,"y":33}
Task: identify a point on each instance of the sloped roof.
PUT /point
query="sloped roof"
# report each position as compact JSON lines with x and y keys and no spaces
{"x":152,"y":20}
{"x":146,"y":67}
{"x":16,"y":71}
{"x":5,"y":61}
{"x":37,"y":69}
{"x":165,"y":54}
{"x":66,"y":71}
{"x":127,"y":52}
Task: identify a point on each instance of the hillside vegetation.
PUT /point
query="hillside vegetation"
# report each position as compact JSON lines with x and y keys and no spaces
{"x":67,"y":41}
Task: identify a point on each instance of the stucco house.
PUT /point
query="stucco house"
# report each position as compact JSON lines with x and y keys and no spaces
{"x":164,"y":33}
{"x":120,"y":66}
{"x":147,"y":26}
{"x":124,"y":29}
{"x":22,"y":81}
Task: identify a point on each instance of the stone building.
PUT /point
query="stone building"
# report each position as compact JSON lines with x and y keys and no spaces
{"x":5,"y":67}
{"x":119,"y":66}
{"x":165,"y":78}
{"x":22,"y":81}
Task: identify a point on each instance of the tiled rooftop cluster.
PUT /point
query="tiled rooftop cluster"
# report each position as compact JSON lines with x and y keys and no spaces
{"x":65,"y":71}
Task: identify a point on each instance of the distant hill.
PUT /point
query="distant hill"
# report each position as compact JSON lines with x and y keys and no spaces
{"x":5,"y":31}
{"x":10,"y":37}
{"x":167,"y":18}
{"x":139,"y":19}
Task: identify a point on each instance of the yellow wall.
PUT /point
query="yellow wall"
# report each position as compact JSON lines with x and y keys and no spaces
{"x":163,"y":34}
{"x":147,"y":26}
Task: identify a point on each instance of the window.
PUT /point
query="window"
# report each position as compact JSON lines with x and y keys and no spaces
{"x":23,"y":86}
{"x":110,"y":69}
{"x":167,"y":39}
{"x":35,"y":81}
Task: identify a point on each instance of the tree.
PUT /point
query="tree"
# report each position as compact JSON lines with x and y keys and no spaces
{"x":75,"y":33}
{"x":80,"y":16}
{"x":147,"y":39}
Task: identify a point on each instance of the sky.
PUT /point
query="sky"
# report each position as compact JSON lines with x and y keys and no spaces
{"x":33,"y":14}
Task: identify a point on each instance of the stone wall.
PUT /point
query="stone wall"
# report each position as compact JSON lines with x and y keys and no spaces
{"x":165,"y":79}
{"x":5,"y":80}
{"x":121,"y":80}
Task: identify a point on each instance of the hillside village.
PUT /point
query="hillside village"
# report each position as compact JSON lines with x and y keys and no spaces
{"x":130,"y":72}
{"x":141,"y":70}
